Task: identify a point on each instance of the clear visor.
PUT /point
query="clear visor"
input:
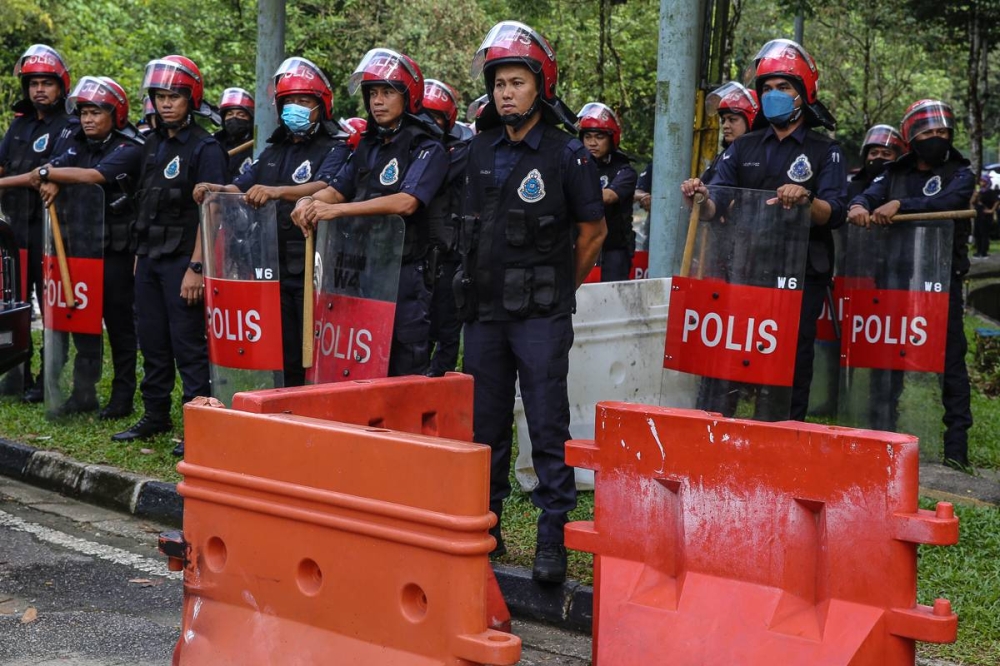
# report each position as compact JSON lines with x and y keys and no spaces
{"x":598,"y":111}
{"x":40,"y":54}
{"x":928,"y":117}
{"x":236,"y":97}
{"x":380,"y":65}
{"x":476,"y":107}
{"x":434,"y":89}
{"x":301,"y":68}
{"x":777,"y":49}
{"x":91,"y":90}
{"x":346,"y":126}
{"x":511,"y":36}
{"x":168,"y":75}
{"x":729,"y":95}
{"x":882,"y":135}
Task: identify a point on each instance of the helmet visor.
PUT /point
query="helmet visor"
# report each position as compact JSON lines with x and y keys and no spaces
{"x":236,"y":97}
{"x":301,"y":68}
{"x":476,"y":107}
{"x":928,"y":116}
{"x":731,"y":96}
{"x":436,"y":90}
{"x":383,"y":65}
{"x":778,"y":49}
{"x":883,"y":135}
{"x":168,"y":75}
{"x":40,"y":58}
{"x":512,"y":39}
{"x":91,"y":90}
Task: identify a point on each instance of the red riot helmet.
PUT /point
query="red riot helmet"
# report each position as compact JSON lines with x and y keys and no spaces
{"x":924,"y":115}
{"x":236,"y":98}
{"x":732,"y":97}
{"x":476,"y":108}
{"x":511,"y":42}
{"x":148,"y":110}
{"x":42,"y":60}
{"x":597,"y":117}
{"x":102,"y":92}
{"x":883,"y":135}
{"x":355,"y":129}
{"x":387,"y":67}
{"x":176,"y":74}
{"x":441,"y":98}
{"x":299,"y":76}
{"x":788,"y":60}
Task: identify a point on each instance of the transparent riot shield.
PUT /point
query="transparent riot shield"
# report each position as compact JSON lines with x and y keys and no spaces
{"x":824,"y":392}
{"x":73,"y":262}
{"x":242,"y":295}
{"x":356,"y":277}
{"x":640,"y":260}
{"x":895,"y":324}
{"x":733,"y":318}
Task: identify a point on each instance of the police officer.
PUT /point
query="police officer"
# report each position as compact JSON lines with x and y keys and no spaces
{"x":169,"y":286}
{"x":985,"y":202}
{"x":397,"y":169}
{"x":306,"y":151}
{"x":882,"y":144}
{"x":601,"y":134}
{"x":236,"y":107}
{"x":40,"y":120}
{"x":737,"y":108}
{"x":802,"y":166}
{"x":106,"y":151}
{"x":644,"y":188}
{"x":441,"y":102}
{"x":533,"y":226}
{"x":933,"y":176}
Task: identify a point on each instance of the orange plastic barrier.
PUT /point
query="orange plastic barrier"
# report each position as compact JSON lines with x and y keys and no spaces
{"x":313,"y":542}
{"x":440,"y":407}
{"x":724,"y":541}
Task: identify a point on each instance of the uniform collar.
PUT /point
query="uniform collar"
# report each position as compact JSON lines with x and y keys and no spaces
{"x":799,"y":134}
{"x":533,"y":139}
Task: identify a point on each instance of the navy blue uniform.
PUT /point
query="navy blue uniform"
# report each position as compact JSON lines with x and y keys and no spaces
{"x":170,"y":330}
{"x":118,"y":155}
{"x":516,"y":290}
{"x":645,"y":181}
{"x":289,"y":162}
{"x":240,"y":161}
{"x":759,"y":160}
{"x":616,"y":173}
{"x":917,"y":192}
{"x":415,"y":163}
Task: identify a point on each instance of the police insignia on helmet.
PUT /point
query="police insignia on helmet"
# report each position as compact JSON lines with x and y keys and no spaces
{"x":801,"y":170}
{"x":41,"y":143}
{"x":532,"y":187}
{"x":604,"y":182}
{"x":390,"y":174}
{"x":932,"y":186}
{"x":303,"y":173}
{"x":173,"y":168}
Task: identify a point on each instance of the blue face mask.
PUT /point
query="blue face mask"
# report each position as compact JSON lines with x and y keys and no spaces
{"x":778,"y":107}
{"x":296,"y":118}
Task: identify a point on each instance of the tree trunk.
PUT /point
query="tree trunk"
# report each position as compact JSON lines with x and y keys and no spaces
{"x":976,"y":75}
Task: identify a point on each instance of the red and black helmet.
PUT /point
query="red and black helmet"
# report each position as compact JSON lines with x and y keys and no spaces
{"x":597,"y":117}
{"x":42,"y":60}
{"x":924,"y":115}
{"x":786,"y":59}
{"x":176,"y":74}
{"x":883,"y":135}
{"x":511,"y":42}
{"x":476,"y":108}
{"x":732,"y":97}
{"x":441,"y":98}
{"x":387,"y":67}
{"x":236,"y":98}
{"x":355,"y":129}
{"x":299,"y":76}
{"x":102,"y":92}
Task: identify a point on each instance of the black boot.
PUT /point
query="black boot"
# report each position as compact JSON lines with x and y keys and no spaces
{"x":550,"y":563}
{"x":148,"y":426}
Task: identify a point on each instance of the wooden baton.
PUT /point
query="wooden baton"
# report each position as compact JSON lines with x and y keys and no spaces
{"x":57,"y":239}
{"x":691,"y":235}
{"x":938,"y":215}
{"x":307,"y":301}
{"x":240,"y":148}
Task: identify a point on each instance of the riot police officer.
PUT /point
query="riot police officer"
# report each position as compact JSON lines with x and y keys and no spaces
{"x":601,"y":134}
{"x":933,"y":176}
{"x":397,"y":169}
{"x":236,"y":107}
{"x":169,"y":286}
{"x":532,"y":228}
{"x":882,"y":144}
{"x":306,"y":151}
{"x":441,"y":102}
{"x":106,"y":151}
{"x":40,"y":120}
{"x":784,"y":154}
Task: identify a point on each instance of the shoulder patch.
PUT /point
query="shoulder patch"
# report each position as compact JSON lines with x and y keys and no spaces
{"x":41,"y":143}
{"x":302,"y":174}
{"x":532,"y":188}
{"x":173,"y":168}
{"x":390,"y":174}
{"x":604,"y":182}
{"x":801,"y":169}
{"x":932,"y":186}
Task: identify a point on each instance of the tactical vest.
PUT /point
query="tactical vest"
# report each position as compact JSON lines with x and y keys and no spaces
{"x":447,"y":203}
{"x":618,"y":215}
{"x":237,"y":162}
{"x":277,"y":168}
{"x":516,"y":241}
{"x":819,"y":263}
{"x":385,"y":177}
{"x":168,"y":217}
{"x":117,"y":219}
{"x":29,"y":147}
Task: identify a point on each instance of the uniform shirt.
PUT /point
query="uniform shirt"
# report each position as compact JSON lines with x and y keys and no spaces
{"x":112,"y":158}
{"x":209,"y":162}
{"x":624,"y":182}
{"x":423,"y":178}
{"x":333,"y":163}
{"x":645,"y":182}
{"x":953,"y":196}
{"x":292,"y":156}
{"x":55,"y":120}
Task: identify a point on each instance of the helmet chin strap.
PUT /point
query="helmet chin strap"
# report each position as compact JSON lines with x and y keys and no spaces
{"x":160,"y":122}
{"x":517,"y":120}
{"x":385,"y":132}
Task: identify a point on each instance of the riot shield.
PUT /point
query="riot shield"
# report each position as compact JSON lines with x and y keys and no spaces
{"x":640,"y":260}
{"x":733,"y":316}
{"x":15,"y":311}
{"x":73,"y":257}
{"x":242,"y":294}
{"x":356,"y":277}
{"x":895,"y":324}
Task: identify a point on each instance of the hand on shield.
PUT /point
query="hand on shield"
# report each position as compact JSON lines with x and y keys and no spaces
{"x":884,"y":213}
{"x":309,"y":213}
{"x":859,"y":217}
{"x":790,"y":195}
{"x":201,"y":190}
{"x":48,"y":192}
{"x":258,"y":195}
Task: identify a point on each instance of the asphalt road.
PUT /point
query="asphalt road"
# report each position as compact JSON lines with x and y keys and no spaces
{"x":100,"y":595}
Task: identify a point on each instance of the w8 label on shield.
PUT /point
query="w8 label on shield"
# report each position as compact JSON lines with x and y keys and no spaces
{"x":891,"y":329}
{"x":243,"y":323}
{"x":734,"y":332}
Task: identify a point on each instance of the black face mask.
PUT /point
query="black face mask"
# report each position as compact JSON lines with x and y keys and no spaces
{"x":934,"y":150}
{"x":876,"y":166}
{"x":237,"y":127}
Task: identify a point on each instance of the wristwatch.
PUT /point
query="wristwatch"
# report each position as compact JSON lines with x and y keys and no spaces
{"x":43,"y":173}
{"x":195,"y":266}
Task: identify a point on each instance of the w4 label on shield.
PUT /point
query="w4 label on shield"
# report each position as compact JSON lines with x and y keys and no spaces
{"x":353,"y":337}
{"x":243,"y":321}
{"x":890,"y":329}
{"x":87,"y":278}
{"x":734,"y":332}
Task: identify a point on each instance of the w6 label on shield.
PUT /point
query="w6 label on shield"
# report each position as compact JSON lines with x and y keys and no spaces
{"x":734,"y":332}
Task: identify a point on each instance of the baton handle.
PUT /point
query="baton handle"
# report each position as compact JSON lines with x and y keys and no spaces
{"x":691,"y":235}
{"x":937,"y":215}
{"x":57,"y":239}
{"x":307,"y":301}
{"x":240,"y":148}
